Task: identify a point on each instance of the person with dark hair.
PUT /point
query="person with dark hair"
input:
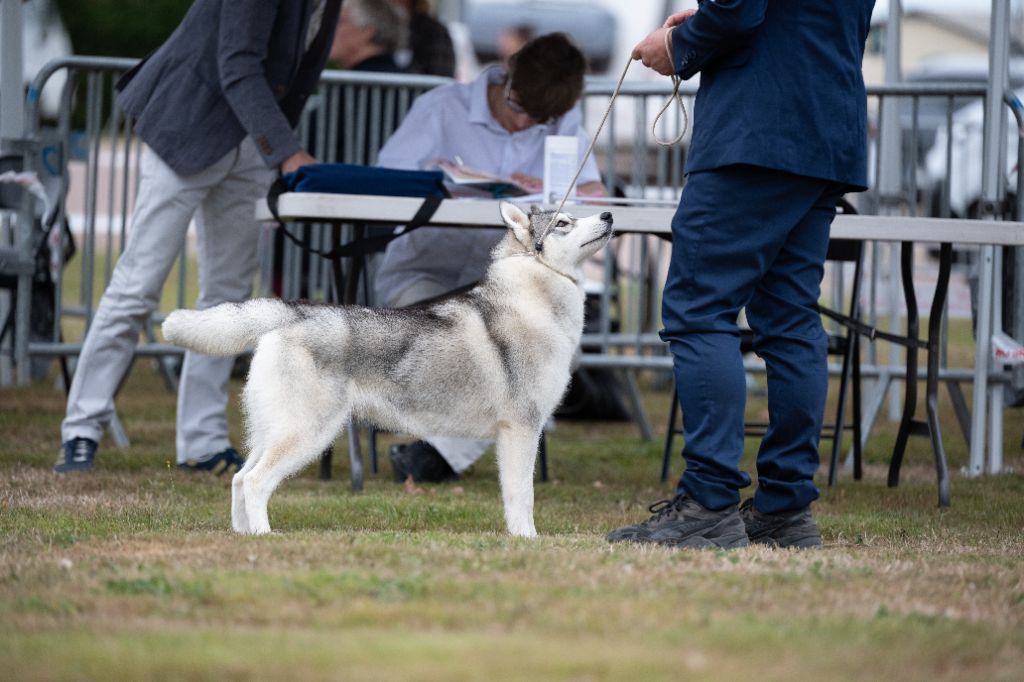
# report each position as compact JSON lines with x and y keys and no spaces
{"x":780,"y":133}
{"x":431,"y":45}
{"x":216,"y":106}
{"x":496,"y":124}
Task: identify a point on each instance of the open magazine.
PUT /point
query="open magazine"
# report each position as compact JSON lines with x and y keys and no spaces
{"x":463,"y":181}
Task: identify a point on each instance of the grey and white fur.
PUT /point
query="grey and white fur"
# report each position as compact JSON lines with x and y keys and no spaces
{"x":493,"y":362}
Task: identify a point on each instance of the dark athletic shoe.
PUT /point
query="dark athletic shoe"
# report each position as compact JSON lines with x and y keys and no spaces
{"x":662,"y":512}
{"x":422,"y":461}
{"x":219,"y":463}
{"x":785,"y":529}
{"x":78,"y":454}
{"x":696,"y":527}
{"x":683,"y":522}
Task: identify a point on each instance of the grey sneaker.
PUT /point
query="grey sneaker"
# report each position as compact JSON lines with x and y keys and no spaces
{"x":683,"y":522}
{"x":785,"y":529}
{"x":662,"y":511}
{"x":696,"y":527}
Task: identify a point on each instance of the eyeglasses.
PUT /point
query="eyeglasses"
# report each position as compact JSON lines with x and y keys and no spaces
{"x":515,"y":106}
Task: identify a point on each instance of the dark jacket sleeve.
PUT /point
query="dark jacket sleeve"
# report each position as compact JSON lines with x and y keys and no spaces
{"x":718,"y":28}
{"x":245,"y":32}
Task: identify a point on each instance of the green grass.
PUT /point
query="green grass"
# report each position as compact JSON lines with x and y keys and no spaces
{"x":132,"y":572}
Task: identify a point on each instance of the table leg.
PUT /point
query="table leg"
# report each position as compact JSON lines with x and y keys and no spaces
{"x":932,"y":390}
{"x":910,"y":396}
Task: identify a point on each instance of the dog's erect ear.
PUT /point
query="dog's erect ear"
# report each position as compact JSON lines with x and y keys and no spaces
{"x":517,"y":221}
{"x":534,"y":209}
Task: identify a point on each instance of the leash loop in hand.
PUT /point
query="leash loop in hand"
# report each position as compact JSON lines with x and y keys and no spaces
{"x":674,"y":97}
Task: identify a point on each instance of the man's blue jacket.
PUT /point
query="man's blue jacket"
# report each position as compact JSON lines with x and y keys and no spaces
{"x":781,"y":85}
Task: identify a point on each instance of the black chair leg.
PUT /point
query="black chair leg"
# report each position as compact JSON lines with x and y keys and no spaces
{"x":858,"y":454}
{"x":542,"y":455}
{"x":325,"y":463}
{"x":670,"y":434}
{"x":371,"y":441}
{"x":837,"y":434}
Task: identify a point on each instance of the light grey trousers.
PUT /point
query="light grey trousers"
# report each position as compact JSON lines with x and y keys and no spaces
{"x":460,"y":453}
{"x":221,"y":201}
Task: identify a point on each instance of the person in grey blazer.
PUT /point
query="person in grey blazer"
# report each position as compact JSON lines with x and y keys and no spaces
{"x":216,"y":106}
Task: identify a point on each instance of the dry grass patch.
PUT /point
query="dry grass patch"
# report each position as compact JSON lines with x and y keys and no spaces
{"x":132,"y":573}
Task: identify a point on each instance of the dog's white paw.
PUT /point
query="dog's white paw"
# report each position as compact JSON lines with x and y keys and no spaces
{"x":246,"y":529}
{"x":522,"y":529}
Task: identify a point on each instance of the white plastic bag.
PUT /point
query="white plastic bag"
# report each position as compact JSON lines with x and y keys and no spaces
{"x":1005,"y":350}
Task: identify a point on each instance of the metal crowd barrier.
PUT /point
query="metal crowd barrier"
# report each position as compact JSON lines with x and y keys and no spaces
{"x":92,"y":152}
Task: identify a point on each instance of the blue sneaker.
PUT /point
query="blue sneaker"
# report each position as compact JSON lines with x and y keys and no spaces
{"x":78,"y":455}
{"x":218,"y":463}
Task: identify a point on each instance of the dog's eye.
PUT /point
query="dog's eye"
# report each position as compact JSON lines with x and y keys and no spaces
{"x":562,"y":223}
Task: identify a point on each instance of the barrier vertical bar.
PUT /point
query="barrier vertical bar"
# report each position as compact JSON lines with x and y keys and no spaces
{"x":992,"y":168}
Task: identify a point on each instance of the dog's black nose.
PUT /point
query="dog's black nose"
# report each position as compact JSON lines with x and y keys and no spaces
{"x":606,"y":216}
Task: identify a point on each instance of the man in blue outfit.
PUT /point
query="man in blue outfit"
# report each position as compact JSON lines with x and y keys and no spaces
{"x":779,"y":135}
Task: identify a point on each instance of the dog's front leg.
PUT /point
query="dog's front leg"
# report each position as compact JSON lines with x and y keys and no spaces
{"x":517,"y":452}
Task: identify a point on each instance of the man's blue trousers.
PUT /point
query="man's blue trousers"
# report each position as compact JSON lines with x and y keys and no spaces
{"x":751,"y":237}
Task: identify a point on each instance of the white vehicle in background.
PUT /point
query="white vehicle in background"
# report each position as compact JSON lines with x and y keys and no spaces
{"x":606,"y":30}
{"x":44,"y":39}
{"x":964,"y":165}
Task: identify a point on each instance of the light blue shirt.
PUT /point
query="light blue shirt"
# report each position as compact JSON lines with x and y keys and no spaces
{"x":455,"y":121}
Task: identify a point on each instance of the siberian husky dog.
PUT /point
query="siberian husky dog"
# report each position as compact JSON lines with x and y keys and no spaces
{"x":492,"y":362}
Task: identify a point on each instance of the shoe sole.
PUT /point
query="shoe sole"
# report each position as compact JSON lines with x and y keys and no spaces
{"x":639,"y":539}
{"x":72,"y":469}
{"x":734,"y":541}
{"x":229,"y":469}
{"x":809,"y":542}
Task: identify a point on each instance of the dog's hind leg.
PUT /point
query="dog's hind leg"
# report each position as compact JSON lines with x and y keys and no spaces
{"x":258,"y":410}
{"x":293,"y":411}
{"x":517,"y":452}
{"x":287,"y":453}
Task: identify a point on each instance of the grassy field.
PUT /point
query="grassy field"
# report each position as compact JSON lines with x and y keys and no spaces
{"x":132,"y":572}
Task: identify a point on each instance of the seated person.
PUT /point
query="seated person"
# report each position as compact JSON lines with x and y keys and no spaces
{"x":496,"y":124}
{"x":368,"y":34}
{"x":366,"y":38}
{"x":430,"y":44}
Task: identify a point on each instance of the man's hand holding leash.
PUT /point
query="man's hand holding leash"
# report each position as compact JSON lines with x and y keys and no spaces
{"x":655,"y":50}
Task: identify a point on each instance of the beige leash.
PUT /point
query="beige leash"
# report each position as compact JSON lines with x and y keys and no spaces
{"x":674,"y":97}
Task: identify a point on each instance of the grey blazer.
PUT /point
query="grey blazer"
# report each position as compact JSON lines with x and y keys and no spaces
{"x":232,"y":68}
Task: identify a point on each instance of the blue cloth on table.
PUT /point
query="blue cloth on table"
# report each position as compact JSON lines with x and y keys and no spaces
{"x":347,"y":178}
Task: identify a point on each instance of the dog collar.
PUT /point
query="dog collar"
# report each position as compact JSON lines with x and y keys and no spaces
{"x":547,"y":265}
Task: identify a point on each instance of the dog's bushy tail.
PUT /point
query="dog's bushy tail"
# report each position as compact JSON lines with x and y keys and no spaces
{"x":228,"y":328}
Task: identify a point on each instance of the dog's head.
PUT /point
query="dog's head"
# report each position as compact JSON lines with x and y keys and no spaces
{"x":560,"y":240}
